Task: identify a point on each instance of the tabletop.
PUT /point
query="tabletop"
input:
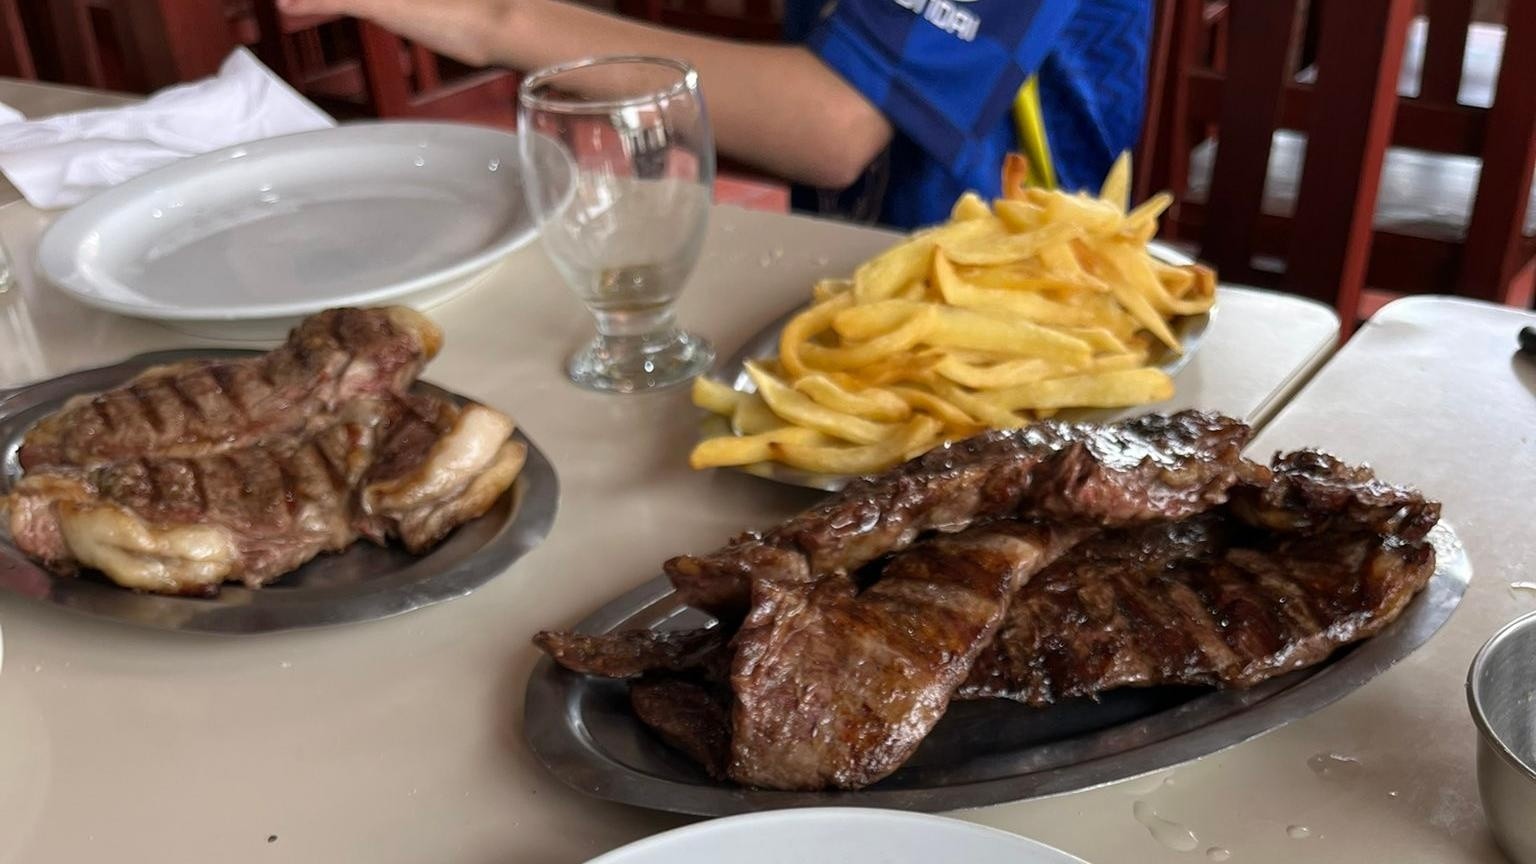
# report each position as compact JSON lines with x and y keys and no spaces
{"x":400,"y":740}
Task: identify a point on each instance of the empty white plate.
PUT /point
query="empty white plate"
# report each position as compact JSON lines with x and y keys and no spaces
{"x":274,"y":230}
{"x":836,"y":834}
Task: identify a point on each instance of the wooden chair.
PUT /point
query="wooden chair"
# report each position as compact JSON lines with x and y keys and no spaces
{"x":15,"y":50}
{"x":1326,"y":246}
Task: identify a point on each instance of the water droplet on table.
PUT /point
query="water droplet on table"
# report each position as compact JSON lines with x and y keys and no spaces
{"x":1334,"y":766}
{"x":286,"y":664}
{"x":1143,"y":786}
{"x":419,"y":161}
{"x":1392,"y":793}
{"x":1216,"y":853}
{"x":269,"y":198}
{"x":822,"y":260}
{"x":1169,"y":833}
{"x":494,"y":166}
{"x":1298,"y":832}
{"x":156,"y":213}
{"x":765,"y":261}
{"x":1516,"y":587}
{"x":37,"y":668}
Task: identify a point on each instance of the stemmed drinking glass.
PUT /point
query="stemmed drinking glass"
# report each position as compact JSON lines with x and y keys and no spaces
{"x":618,"y":163}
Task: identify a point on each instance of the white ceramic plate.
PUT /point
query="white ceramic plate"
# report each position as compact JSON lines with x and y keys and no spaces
{"x":836,"y":834}
{"x":278,"y":229}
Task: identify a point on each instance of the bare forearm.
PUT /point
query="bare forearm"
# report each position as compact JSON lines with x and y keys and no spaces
{"x":775,"y":106}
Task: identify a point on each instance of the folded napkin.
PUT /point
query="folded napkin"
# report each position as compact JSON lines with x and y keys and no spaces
{"x":63,"y":160}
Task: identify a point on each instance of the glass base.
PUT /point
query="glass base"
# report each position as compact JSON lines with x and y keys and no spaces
{"x":636,"y":364}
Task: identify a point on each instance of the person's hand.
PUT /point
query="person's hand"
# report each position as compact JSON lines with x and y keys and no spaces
{"x":461,"y":29}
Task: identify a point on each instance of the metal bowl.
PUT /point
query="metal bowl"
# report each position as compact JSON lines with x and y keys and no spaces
{"x":1501,"y":691}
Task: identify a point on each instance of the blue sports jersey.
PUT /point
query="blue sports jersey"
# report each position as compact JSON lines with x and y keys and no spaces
{"x":946,"y":73}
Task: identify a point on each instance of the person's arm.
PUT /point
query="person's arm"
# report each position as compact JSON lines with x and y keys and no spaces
{"x":776,"y":107}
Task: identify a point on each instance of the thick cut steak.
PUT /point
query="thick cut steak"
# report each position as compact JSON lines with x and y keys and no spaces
{"x":201,"y":408}
{"x":1154,"y":467}
{"x":1228,"y":599}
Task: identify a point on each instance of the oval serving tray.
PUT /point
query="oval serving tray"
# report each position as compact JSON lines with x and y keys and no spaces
{"x":981,"y":753}
{"x":764,"y":344}
{"x":363,"y":583}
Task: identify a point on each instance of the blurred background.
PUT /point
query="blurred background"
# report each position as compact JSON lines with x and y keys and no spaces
{"x":1452,"y":212}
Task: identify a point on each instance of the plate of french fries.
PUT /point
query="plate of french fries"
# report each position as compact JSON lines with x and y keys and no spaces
{"x":1040,"y":303}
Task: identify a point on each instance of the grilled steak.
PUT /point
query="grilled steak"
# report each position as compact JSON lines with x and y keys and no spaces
{"x":207,"y":407}
{"x":632,"y":653}
{"x":834,"y":687}
{"x":692,"y":716}
{"x":1218,"y":600}
{"x":185,"y":525}
{"x":1153,"y":467}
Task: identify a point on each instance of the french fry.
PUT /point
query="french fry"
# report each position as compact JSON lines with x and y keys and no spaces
{"x":988,"y":412}
{"x":1001,"y":247}
{"x":1008,"y":373}
{"x":729,"y":450}
{"x":826,"y":289}
{"x":969,"y":206}
{"x":866,"y":353}
{"x":1094,"y":390}
{"x":962,"y":328}
{"x":881,"y":277}
{"x":916,"y":436}
{"x":753,"y":416}
{"x":1015,"y":176}
{"x":871,"y":320}
{"x":801,"y":410}
{"x":802,"y":327}
{"x":1017,"y":304}
{"x":1116,"y":190}
{"x":715,"y":397}
{"x":951,"y":415}
{"x":871,"y":404}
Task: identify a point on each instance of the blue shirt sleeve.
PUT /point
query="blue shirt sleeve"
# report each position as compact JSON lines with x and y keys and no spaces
{"x":944,"y":72}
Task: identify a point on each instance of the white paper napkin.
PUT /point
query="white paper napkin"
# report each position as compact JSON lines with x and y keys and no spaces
{"x":63,"y":160}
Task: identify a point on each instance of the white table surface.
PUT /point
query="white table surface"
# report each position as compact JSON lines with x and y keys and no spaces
{"x":400,"y":741}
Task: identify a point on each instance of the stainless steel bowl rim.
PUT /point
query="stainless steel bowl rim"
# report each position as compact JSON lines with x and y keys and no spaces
{"x":1474,"y":703}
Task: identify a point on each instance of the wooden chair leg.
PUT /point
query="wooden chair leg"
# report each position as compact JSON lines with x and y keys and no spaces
{"x":15,"y":53}
{"x":1260,"y":35}
{"x":1360,"y":51}
{"x":388,"y":89}
{"x":1495,"y":247}
{"x":170,"y":41}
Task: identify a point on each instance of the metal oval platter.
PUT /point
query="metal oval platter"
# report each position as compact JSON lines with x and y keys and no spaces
{"x":981,"y":753}
{"x":765,"y":344}
{"x":363,"y":583}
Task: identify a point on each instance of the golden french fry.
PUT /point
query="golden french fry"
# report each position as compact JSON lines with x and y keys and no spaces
{"x":1134,"y":267}
{"x":727,"y":450}
{"x":987,"y":412}
{"x":1001,"y":247}
{"x":1116,"y":190}
{"x":1090,"y":214}
{"x":917,"y":435}
{"x":962,"y":328}
{"x":871,"y":404}
{"x":866,"y":353}
{"x":1015,"y":176}
{"x":1146,"y":212}
{"x":931,"y":403}
{"x":1026,"y":305}
{"x":826,"y":289}
{"x":1020,"y":214}
{"x":896,"y":268}
{"x":870,"y":320}
{"x":714,"y":396}
{"x":801,"y":410}
{"x":1094,"y":390}
{"x":802,"y":327}
{"x":753,"y":416}
{"x":969,"y":206}
{"x":905,"y":366}
{"x":1098,"y":338}
{"x":1008,"y":373}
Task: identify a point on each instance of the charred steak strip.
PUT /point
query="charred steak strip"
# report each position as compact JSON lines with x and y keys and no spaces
{"x":1151,"y":467}
{"x":207,"y":407}
{"x":836,"y":688}
{"x":632,"y":653}
{"x":1217,"y":601}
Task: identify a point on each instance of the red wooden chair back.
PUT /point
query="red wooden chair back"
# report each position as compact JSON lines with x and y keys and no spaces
{"x":15,"y":50}
{"x":1351,"y":112}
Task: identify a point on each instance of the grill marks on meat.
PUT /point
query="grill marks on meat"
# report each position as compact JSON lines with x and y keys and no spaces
{"x":185,"y":525}
{"x":204,"y":407}
{"x":1230,"y":617}
{"x":836,"y":688}
{"x":1151,"y":467}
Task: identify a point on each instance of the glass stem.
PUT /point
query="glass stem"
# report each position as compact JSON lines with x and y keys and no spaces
{"x":635,"y":324}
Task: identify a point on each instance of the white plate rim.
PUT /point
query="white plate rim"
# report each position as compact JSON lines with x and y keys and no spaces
{"x":56,"y":248}
{"x":871,"y":817}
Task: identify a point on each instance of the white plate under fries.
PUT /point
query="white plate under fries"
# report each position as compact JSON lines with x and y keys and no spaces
{"x":1188,"y":329}
{"x":836,"y":835}
{"x":240,"y":242}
